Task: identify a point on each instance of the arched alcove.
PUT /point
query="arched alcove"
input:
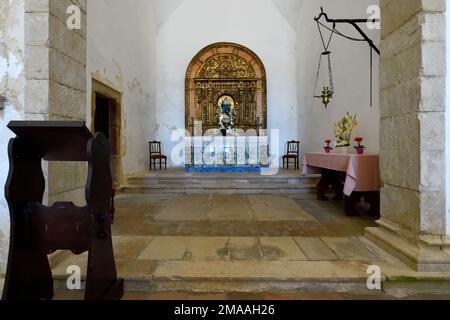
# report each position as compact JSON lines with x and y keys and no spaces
{"x":226,"y":69}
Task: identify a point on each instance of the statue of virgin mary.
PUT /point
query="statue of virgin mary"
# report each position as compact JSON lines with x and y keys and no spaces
{"x":226,"y":115}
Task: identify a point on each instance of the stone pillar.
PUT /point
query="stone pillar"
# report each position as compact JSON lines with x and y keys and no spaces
{"x":412,"y":83}
{"x":55,"y":70}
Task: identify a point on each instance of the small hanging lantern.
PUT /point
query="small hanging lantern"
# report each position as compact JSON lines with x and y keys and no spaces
{"x":326,"y":96}
{"x":328,"y":90}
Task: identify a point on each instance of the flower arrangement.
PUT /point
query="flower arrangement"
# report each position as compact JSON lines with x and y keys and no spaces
{"x":359,"y":148}
{"x":328,"y":148}
{"x":343,"y":130}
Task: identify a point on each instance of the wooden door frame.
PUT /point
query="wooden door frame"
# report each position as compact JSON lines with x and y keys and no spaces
{"x":101,"y":89}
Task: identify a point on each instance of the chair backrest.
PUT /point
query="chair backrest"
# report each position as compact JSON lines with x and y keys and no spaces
{"x":155,"y":147}
{"x":293,"y":147}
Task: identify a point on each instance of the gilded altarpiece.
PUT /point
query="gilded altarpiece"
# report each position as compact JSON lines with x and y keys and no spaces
{"x":226,"y":70}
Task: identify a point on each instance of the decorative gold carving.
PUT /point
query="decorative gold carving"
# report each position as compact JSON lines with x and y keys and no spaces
{"x":226,"y":67}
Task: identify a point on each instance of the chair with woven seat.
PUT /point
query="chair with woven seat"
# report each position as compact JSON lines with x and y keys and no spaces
{"x":293,"y":152}
{"x":156,"y":155}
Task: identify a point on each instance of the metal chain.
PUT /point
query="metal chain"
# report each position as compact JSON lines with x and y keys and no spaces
{"x":331,"y":74}
{"x":330,"y":71}
{"x":317,"y":78}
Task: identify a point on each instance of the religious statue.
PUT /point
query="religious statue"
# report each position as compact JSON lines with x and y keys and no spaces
{"x":226,"y":113}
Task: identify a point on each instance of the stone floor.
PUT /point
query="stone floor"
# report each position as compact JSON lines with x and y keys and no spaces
{"x":243,"y":246}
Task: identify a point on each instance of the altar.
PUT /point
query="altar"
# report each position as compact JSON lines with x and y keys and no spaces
{"x":230,"y":153}
{"x":226,"y":111}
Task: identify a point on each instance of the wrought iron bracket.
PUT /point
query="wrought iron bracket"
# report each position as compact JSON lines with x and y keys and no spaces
{"x":354,"y":23}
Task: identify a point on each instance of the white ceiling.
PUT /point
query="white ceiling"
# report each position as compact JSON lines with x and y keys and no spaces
{"x":290,"y":10}
{"x":163,"y":9}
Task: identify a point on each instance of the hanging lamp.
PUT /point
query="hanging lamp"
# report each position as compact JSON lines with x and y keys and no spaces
{"x":327,"y":89}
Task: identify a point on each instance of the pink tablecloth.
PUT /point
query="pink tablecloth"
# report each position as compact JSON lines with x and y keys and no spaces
{"x":363,"y":171}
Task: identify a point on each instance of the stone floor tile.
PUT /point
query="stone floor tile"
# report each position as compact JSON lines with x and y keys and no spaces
{"x":350,"y":249}
{"x":69,"y":259}
{"x":129,"y":247}
{"x":280,"y":248}
{"x":191,"y":207}
{"x":315,"y":249}
{"x":251,"y":270}
{"x":136,"y":296}
{"x":244,"y":248}
{"x":276,"y":208}
{"x":280,"y":228}
{"x":165,"y":248}
{"x":246,"y":296}
{"x":135,"y":269}
{"x":229,"y":207}
{"x":303,"y":296}
{"x":207,"y":248}
{"x":68,"y":295}
{"x":168,"y":296}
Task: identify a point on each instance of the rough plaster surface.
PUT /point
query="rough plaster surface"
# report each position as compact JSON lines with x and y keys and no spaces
{"x":12,"y":82}
{"x":122,"y":56}
{"x":350,"y":61}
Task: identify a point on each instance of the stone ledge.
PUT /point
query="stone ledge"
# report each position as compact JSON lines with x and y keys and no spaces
{"x":419,"y":256}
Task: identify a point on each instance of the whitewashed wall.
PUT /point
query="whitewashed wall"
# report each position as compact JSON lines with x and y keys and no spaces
{"x":121,"y":53}
{"x":256,"y":24}
{"x":351,"y":75}
{"x":12,"y":84}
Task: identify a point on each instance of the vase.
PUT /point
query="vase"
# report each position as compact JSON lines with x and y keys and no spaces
{"x":360,"y":151}
{"x":328,"y":149}
{"x":342,"y":150}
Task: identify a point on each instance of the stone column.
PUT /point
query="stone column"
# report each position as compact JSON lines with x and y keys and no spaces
{"x":413,"y":73}
{"x":55,"y":71}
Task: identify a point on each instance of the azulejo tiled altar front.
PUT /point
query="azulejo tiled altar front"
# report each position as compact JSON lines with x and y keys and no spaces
{"x":234,"y":152}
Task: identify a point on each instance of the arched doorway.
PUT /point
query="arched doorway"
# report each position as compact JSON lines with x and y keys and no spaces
{"x":226,"y":70}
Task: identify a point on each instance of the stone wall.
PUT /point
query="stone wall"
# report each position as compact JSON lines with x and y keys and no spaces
{"x":56,"y":83}
{"x":12,"y":84}
{"x":412,"y":81}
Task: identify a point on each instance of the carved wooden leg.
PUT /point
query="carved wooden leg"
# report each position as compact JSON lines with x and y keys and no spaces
{"x":350,"y":203}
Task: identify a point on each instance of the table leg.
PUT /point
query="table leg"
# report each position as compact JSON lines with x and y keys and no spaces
{"x":338,"y":186}
{"x":322,"y":186}
{"x":373,"y":198}
{"x":350,"y":203}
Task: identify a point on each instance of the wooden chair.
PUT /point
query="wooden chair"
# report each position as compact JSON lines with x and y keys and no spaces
{"x":155,"y":154}
{"x":293,"y":152}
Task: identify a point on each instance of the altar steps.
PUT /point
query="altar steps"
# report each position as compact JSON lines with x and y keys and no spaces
{"x":240,"y":183}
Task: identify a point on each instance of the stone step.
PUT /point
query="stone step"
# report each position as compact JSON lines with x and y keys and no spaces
{"x":241,"y":188}
{"x":219,"y":180}
{"x":244,"y":276}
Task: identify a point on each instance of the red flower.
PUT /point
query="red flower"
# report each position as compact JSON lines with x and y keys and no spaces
{"x":359,"y":139}
{"x":327,"y":141}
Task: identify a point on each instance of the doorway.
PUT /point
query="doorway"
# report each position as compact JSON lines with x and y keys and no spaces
{"x":106,"y":118}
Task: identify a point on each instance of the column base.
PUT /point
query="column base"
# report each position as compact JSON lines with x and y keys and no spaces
{"x":421,"y":253}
